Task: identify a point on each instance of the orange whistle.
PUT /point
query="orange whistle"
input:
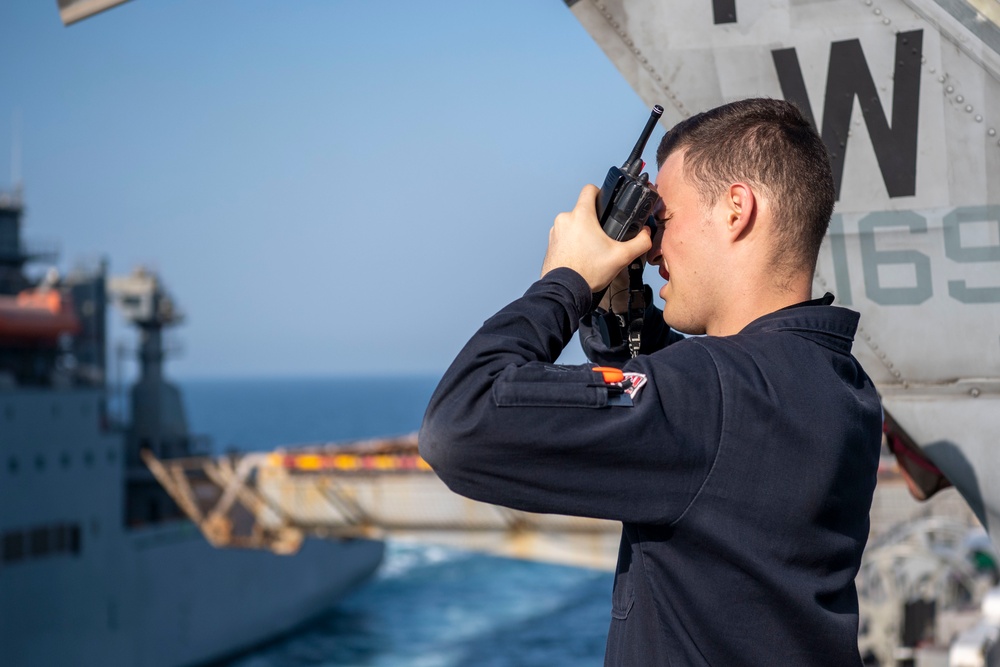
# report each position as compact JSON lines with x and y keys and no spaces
{"x":611,"y":375}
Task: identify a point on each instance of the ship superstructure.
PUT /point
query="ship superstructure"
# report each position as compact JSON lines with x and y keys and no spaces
{"x":96,"y":564}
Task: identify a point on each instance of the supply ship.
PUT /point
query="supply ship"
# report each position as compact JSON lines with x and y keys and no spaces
{"x":98,"y":566}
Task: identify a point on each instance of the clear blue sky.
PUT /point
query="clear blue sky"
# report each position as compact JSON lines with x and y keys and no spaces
{"x":327,"y":187}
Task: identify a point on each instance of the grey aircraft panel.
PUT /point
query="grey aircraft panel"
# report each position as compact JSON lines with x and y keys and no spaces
{"x":906,"y":94}
{"x":979,"y":16}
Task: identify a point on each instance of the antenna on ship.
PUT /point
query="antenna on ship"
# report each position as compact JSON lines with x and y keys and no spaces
{"x":13,"y":254}
{"x":15,"y":155}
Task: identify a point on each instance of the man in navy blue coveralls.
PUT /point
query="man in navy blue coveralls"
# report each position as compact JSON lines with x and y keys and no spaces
{"x":743,"y":465}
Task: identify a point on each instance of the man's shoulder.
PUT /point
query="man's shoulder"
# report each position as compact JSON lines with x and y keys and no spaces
{"x":827,"y":326}
{"x":689,"y":363}
{"x":748,"y":353}
{"x":692,"y":350}
{"x":783,"y":339}
{"x":705,"y":354}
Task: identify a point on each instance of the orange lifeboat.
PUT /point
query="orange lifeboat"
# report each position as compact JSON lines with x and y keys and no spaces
{"x":37,"y":315}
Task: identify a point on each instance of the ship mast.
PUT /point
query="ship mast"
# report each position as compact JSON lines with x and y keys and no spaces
{"x":14,"y":254}
{"x":158,"y":423}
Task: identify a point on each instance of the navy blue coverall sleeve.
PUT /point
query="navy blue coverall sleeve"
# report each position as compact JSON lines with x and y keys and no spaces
{"x":507,"y":426}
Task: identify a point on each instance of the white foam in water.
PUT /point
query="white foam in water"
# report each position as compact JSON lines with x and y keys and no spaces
{"x":441,"y":607}
{"x":404,"y":557}
{"x":448,"y":659}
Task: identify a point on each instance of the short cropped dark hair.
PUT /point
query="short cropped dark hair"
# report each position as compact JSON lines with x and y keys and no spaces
{"x":772,"y":147}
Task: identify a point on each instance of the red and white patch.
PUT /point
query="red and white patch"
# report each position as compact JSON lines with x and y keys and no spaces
{"x":638,"y":381}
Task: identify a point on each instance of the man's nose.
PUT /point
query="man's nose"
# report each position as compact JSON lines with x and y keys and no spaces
{"x":655,"y":254}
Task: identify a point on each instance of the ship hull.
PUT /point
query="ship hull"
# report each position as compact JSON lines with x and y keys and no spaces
{"x":168,"y":599}
{"x":78,"y":587}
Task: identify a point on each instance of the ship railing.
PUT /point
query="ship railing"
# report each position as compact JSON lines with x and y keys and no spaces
{"x":36,"y":251}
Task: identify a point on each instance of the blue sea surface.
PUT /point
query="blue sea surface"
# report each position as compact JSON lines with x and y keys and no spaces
{"x":428,"y":606}
{"x":261,"y":414}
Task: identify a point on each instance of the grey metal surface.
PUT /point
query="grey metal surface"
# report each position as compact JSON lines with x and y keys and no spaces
{"x":978,"y":16}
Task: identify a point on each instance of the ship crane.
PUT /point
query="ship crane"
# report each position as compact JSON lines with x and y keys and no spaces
{"x":158,"y":423}
{"x":373,"y":489}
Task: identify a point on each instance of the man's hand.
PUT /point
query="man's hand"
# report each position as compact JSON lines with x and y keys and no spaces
{"x":577,"y":241}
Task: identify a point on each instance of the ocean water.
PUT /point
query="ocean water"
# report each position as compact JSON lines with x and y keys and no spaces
{"x":427,"y":606}
{"x":267,"y":413}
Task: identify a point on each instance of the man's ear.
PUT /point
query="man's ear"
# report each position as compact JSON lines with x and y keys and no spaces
{"x":741,"y":210}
